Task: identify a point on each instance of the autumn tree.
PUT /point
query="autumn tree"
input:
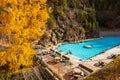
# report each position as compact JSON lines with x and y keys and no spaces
{"x":21,"y":22}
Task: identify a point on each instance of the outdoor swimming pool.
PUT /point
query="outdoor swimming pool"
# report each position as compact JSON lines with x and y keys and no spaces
{"x":94,"y":47}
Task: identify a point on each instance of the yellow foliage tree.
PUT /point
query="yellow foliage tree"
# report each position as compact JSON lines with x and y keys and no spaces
{"x":21,"y":22}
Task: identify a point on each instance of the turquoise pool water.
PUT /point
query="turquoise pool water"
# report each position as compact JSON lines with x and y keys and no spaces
{"x":99,"y":45}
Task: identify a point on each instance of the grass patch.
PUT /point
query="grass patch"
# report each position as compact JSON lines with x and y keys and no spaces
{"x":109,"y":72}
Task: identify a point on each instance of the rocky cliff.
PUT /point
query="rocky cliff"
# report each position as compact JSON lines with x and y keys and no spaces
{"x":71,"y":20}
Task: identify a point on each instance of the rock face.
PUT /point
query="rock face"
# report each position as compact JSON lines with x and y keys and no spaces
{"x":66,"y":22}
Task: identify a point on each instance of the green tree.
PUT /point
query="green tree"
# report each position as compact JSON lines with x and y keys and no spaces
{"x":90,"y":25}
{"x":86,"y":24}
{"x":51,"y":21}
{"x":82,"y":30}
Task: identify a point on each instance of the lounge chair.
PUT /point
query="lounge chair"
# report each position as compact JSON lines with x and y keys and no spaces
{"x":52,"y":55}
{"x":76,"y":76}
{"x":67,"y":58}
{"x":97,"y":64}
{"x":100,"y":64}
{"x":113,"y":56}
{"x":79,"y":76}
{"x":82,"y":74}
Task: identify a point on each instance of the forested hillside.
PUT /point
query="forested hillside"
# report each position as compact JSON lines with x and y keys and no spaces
{"x":71,"y":20}
{"x":107,"y":13}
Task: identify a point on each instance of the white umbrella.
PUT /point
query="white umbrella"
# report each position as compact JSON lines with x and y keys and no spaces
{"x":77,"y":70}
{"x":57,"y":58}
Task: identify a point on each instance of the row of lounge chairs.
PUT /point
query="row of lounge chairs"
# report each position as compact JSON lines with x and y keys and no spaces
{"x":102,"y":63}
{"x":113,"y":56}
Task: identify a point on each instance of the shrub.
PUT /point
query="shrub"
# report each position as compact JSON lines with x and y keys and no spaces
{"x":5,"y":76}
{"x":35,"y":58}
{"x":82,"y":30}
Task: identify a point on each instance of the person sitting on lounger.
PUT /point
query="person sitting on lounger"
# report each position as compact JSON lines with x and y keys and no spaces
{"x":113,"y":56}
{"x":100,"y":64}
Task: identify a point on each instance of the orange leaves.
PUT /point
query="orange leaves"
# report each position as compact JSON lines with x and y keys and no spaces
{"x":24,"y":22}
{"x":43,"y":1}
{"x":22,"y":15}
{"x":2,"y":58}
{"x":17,"y":55}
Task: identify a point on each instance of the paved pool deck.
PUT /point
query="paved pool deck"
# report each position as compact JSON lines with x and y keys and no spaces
{"x":104,"y":55}
{"x":87,"y":63}
{"x":100,"y":57}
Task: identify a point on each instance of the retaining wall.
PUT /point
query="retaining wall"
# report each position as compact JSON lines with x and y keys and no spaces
{"x":109,"y":33}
